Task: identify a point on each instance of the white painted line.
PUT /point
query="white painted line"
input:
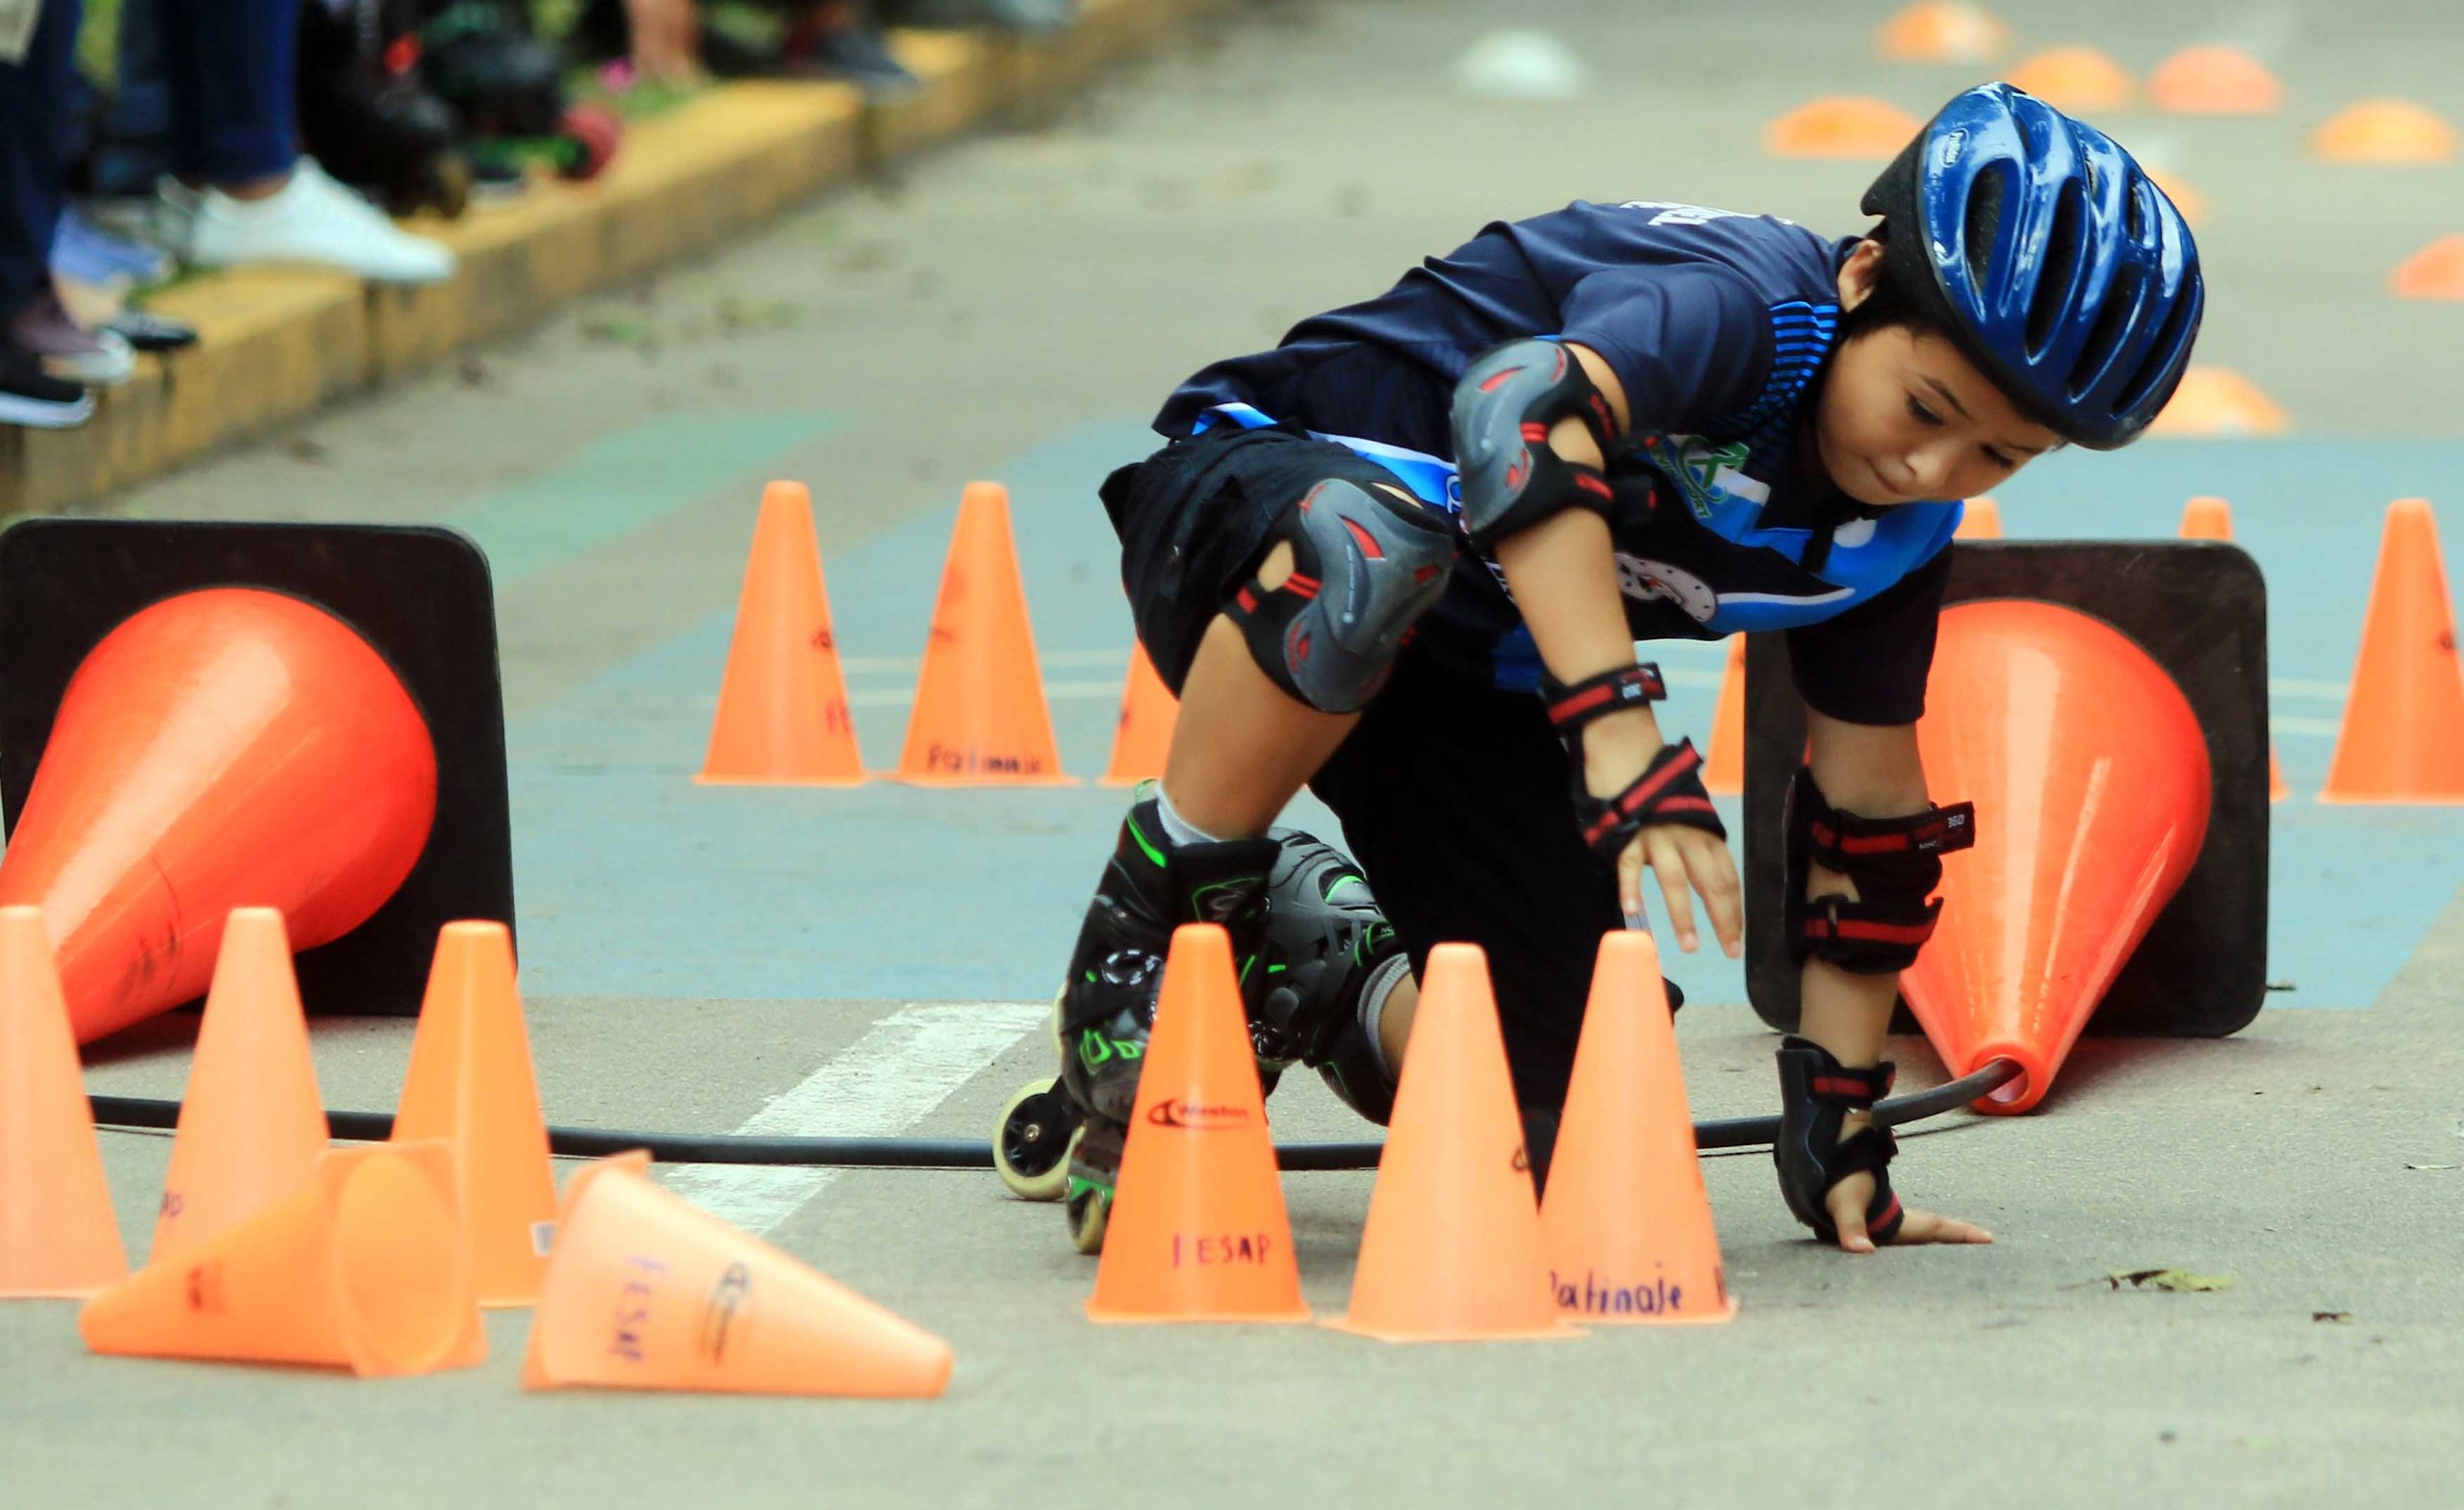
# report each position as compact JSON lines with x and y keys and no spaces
{"x":2322,"y":727}
{"x":879,"y":1086}
{"x":2291,"y":687}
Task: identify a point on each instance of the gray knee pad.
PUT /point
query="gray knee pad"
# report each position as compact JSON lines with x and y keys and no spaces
{"x":1364,"y":566}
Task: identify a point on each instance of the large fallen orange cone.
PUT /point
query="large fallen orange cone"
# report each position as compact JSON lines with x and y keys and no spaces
{"x":1841,"y":125}
{"x":251,"y":1126}
{"x":1197,"y":1230}
{"x":2403,"y":739}
{"x":1980,"y":519}
{"x":2074,"y":79}
{"x":1144,"y":738}
{"x":2091,"y":781}
{"x":2207,"y":518}
{"x":470,"y":1087}
{"x":1724,"y":768}
{"x":2215,"y":81}
{"x":224,"y":748}
{"x":980,"y":718}
{"x":1628,"y":1221}
{"x":1942,"y":31}
{"x":57,"y":1234}
{"x":783,"y":718}
{"x":1452,"y":1252}
{"x":2219,"y":401}
{"x":2384,"y":133}
{"x":362,"y":1268}
{"x":2434,"y":272}
{"x":646,"y":1293}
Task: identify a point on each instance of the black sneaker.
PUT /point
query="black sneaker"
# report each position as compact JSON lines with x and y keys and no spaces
{"x":32,"y":397}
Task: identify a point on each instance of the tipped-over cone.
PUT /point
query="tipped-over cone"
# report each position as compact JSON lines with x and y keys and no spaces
{"x":2091,"y":782}
{"x":1628,"y":1221}
{"x":57,"y":1234}
{"x":1144,"y":738}
{"x":2403,"y":739}
{"x":470,"y":1087}
{"x":363,"y":1269}
{"x":1197,"y":1230}
{"x":783,"y":718}
{"x":646,"y":1293}
{"x":1452,"y":1252}
{"x":224,"y":748}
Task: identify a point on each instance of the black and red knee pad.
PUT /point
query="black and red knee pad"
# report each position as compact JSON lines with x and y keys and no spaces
{"x":1364,"y":566}
{"x":1896,"y":865}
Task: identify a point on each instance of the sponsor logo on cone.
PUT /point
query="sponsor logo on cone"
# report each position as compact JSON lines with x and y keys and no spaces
{"x":1452,"y":1252}
{"x":1980,"y":519}
{"x":57,"y":1234}
{"x":1724,"y":769}
{"x":646,"y":1293}
{"x":364,"y":1269}
{"x":980,"y":718}
{"x":1845,"y":125}
{"x":251,"y":1125}
{"x":470,"y":1087}
{"x":1197,"y":1230}
{"x":783,"y":718}
{"x":2206,"y":518}
{"x":1628,"y":1221}
{"x":1145,"y":736}
{"x":2403,"y":739}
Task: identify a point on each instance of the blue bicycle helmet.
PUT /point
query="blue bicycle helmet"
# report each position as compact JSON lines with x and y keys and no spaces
{"x":2049,"y":257}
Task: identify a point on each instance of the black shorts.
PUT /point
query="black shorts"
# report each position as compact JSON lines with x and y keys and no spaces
{"x":1456,"y":797}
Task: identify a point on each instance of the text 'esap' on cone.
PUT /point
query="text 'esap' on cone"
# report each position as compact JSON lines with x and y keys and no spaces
{"x":2209,"y":518}
{"x":2091,"y":785}
{"x":2402,"y":741}
{"x":1197,"y":1230}
{"x":252,"y":1126}
{"x":470,"y":1087}
{"x":782,"y":717}
{"x":644,"y":1292}
{"x":58,"y":1236}
{"x":1724,"y":768}
{"x":1144,"y":738}
{"x":1628,"y":1221}
{"x":361,"y":1269}
{"x":980,"y":718}
{"x":1452,"y":1250}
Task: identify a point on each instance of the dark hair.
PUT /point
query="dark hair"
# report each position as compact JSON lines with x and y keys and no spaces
{"x":1888,"y":304}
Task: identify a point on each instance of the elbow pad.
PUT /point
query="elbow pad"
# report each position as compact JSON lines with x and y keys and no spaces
{"x":1504,"y":409}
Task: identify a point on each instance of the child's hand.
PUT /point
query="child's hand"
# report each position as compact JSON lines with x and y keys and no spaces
{"x":1683,"y":857}
{"x":1847,"y":1202}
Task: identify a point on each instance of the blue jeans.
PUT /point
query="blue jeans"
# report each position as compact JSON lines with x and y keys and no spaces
{"x":207,"y":89}
{"x":34,"y":133}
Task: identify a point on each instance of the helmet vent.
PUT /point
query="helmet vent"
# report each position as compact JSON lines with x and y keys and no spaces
{"x":2061,"y":269}
{"x":2165,"y":353}
{"x":1982,"y":228}
{"x":2113,"y":320}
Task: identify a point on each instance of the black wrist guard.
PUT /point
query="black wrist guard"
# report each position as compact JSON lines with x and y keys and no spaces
{"x":1817,"y":1094}
{"x":1895,"y":864}
{"x":1670,"y":790}
{"x":1572,"y":706}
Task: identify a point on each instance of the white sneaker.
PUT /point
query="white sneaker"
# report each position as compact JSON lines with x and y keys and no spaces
{"x":312,"y":218}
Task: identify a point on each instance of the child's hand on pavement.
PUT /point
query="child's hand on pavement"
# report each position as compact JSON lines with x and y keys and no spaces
{"x":1847,"y":1202}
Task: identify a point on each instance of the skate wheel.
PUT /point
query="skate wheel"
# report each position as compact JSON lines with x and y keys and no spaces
{"x":1040,"y":1129}
{"x":1091,"y":1211}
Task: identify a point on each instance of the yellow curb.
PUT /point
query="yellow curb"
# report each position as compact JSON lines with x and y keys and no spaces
{"x":276,"y":343}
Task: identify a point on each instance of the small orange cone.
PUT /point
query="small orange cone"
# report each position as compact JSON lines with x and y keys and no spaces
{"x":2434,"y":272}
{"x":646,"y":1293}
{"x":2192,"y":204}
{"x":1724,"y":768}
{"x":57,"y":1234}
{"x":252,"y":1126}
{"x":1841,"y":125}
{"x":2074,"y":78}
{"x":980,"y":718}
{"x":2403,"y":739}
{"x":1627,"y":1220}
{"x":1452,"y":1252}
{"x":1981,"y":520}
{"x":471,"y":1085}
{"x":783,"y":718}
{"x":2205,"y":517}
{"x":2215,"y":81}
{"x":2219,"y":401}
{"x":1148,"y":712}
{"x":363,"y":1269}
{"x":2081,"y":837}
{"x":1942,"y":31}
{"x":2386,"y":133}
{"x":1197,"y":1230}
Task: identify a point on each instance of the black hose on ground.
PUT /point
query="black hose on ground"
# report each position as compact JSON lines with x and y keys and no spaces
{"x":963,"y":1153}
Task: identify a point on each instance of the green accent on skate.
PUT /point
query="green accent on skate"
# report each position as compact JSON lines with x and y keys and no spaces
{"x":1095,"y":1048}
{"x":1152,"y":852}
{"x":1081,"y":1185}
{"x":1091,"y":976}
{"x":1277,"y":969}
{"x":1245,"y":968}
{"x":1342,"y":882}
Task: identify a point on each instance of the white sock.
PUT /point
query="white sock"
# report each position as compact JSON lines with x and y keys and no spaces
{"x":1372,"y":1003}
{"x":1177,"y":827}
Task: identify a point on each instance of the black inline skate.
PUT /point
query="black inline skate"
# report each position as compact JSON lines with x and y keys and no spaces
{"x":367,"y":116}
{"x":507,"y":85}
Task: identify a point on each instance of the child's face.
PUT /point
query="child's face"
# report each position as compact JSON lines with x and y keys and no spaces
{"x":1905,"y":417}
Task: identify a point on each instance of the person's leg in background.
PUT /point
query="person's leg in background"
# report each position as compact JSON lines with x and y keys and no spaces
{"x":34,"y":107}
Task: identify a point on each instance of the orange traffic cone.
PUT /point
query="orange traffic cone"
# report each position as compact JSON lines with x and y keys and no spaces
{"x":2216,"y":401}
{"x":980,"y":718}
{"x":646,"y":1293}
{"x":2206,"y":518}
{"x":251,"y":1126}
{"x":57,"y":1234}
{"x":1148,"y":712}
{"x":2434,"y":272}
{"x":1841,"y":125}
{"x":2398,"y":133}
{"x":1942,"y":31}
{"x":224,"y":748}
{"x":783,"y":718}
{"x":1980,"y":519}
{"x":2192,"y":204}
{"x":2091,"y":782}
{"x":471,"y":1085}
{"x":1452,"y":1252}
{"x":1627,"y":1220}
{"x":1724,"y":768}
{"x":363,"y":1269}
{"x":2215,"y":81}
{"x":1197,"y":1230}
{"x":2074,"y":78}
{"x":2403,"y":739}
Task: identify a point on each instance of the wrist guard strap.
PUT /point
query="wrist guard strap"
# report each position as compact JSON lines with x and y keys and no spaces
{"x":1670,"y":790}
{"x":1895,"y":864}
{"x":1572,"y":706}
{"x":1817,"y":1094}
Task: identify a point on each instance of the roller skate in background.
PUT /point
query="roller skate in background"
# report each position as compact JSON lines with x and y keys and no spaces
{"x":506,"y":83}
{"x":365,"y":112}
